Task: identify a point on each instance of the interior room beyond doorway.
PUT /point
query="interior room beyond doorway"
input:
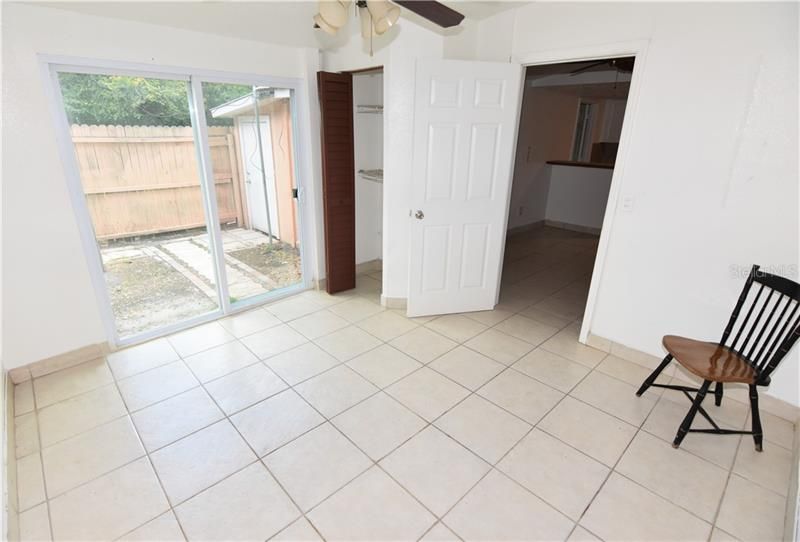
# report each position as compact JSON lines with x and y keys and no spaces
{"x":569,"y":132}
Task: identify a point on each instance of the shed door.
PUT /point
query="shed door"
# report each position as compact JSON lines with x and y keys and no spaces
{"x":260,"y":189}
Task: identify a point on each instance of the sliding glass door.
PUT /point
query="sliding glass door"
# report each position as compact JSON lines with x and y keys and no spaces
{"x":187,"y":190}
{"x":258,"y":215}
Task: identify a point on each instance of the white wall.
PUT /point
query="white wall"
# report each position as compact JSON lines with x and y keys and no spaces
{"x":368,"y":151}
{"x":712,"y":162}
{"x":546,"y":130}
{"x":577,"y":195}
{"x":49,"y":305}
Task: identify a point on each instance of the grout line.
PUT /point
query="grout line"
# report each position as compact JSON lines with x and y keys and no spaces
{"x":323,"y":416}
{"x":258,"y":459}
{"x":431,"y":423}
{"x":383,"y":389}
{"x":613,"y":468}
{"x":41,"y":464}
{"x":303,"y":398}
{"x":725,"y":489}
{"x":494,"y":466}
{"x":152,"y":468}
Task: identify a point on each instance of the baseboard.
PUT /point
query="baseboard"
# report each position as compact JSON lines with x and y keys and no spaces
{"x":572,"y":227}
{"x":767,"y":403}
{"x":791,"y":527}
{"x":10,"y":502}
{"x":553,"y":224}
{"x":526,"y":227}
{"x":319,"y":284}
{"x":394,"y":302}
{"x":372,"y":266}
{"x":365,"y":268}
{"x":59,"y":362}
{"x":598,"y":342}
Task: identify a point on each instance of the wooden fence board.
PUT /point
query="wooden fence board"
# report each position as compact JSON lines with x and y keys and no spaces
{"x":142,"y":180}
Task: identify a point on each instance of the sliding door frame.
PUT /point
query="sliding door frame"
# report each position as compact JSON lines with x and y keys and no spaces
{"x":51,"y":66}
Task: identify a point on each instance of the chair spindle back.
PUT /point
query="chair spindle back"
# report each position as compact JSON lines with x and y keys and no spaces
{"x":771,"y":324}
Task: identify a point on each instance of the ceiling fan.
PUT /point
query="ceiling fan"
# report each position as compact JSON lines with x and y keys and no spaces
{"x":378,"y":16}
{"x":621,"y":65}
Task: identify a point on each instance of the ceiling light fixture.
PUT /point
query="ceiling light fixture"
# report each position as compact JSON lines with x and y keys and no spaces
{"x":376,"y":17}
{"x":384,"y":14}
{"x":332,"y":15}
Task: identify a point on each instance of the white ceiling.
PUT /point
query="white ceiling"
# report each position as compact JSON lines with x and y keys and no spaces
{"x":287,"y":23}
{"x":282,"y":22}
{"x":599,"y":81}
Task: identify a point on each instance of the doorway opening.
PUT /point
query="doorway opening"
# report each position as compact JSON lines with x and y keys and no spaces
{"x":185,"y":192}
{"x":569,"y":132}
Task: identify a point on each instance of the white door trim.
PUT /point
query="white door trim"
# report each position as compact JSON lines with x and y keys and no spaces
{"x":50,"y":65}
{"x":638,"y":49}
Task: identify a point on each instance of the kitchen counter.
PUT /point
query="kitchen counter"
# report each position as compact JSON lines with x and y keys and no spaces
{"x":580,"y":164}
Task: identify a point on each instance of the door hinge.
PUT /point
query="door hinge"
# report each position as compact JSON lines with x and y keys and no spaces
{"x":294,"y":193}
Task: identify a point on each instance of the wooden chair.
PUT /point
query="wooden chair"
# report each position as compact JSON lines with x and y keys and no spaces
{"x":749,"y":358}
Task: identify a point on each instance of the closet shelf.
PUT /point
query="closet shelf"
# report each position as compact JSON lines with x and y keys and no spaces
{"x":373,"y":109}
{"x":375,"y":175}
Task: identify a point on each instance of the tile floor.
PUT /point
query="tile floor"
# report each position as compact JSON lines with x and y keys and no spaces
{"x":323,"y":417}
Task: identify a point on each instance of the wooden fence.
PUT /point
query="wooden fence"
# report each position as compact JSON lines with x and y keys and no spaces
{"x":141,"y":180}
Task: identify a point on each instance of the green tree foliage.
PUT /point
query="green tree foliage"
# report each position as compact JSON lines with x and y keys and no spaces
{"x":138,"y":101}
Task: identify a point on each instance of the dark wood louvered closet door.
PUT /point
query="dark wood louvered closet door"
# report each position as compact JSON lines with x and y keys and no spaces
{"x":338,"y":179}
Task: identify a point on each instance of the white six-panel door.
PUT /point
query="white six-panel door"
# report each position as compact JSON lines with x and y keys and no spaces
{"x":465,"y":127}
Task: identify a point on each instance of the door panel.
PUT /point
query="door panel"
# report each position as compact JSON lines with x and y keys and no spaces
{"x":465,"y":122}
{"x":435,"y":249}
{"x":474,"y":249}
{"x":338,"y":180}
{"x":482,"y":161}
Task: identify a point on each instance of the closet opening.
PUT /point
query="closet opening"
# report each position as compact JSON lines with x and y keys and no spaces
{"x":351,"y":106}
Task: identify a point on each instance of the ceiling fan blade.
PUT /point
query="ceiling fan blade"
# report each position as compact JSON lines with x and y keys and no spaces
{"x":436,"y":12}
{"x":589,"y":67}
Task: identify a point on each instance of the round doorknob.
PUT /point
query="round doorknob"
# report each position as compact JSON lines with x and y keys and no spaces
{"x":419,"y":215}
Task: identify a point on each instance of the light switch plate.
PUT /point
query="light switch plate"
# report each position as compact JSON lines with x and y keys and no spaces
{"x":627,"y":204}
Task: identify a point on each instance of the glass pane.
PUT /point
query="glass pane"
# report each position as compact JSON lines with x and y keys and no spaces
{"x":250,"y":135}
{"x":139,"y":171}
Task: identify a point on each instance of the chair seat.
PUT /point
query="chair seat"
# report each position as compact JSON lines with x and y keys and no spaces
{"x":709,"y":361}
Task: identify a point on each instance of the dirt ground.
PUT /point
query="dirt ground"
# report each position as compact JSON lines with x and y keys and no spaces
{"x":146,"y":293}
{"x":279,"y":261}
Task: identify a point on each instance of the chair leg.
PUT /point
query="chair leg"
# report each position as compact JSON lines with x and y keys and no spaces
{"x":718,"y":394}
{"x":652,"y":378}
{"x":687,"y":421}
{"x":758,"y":435}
